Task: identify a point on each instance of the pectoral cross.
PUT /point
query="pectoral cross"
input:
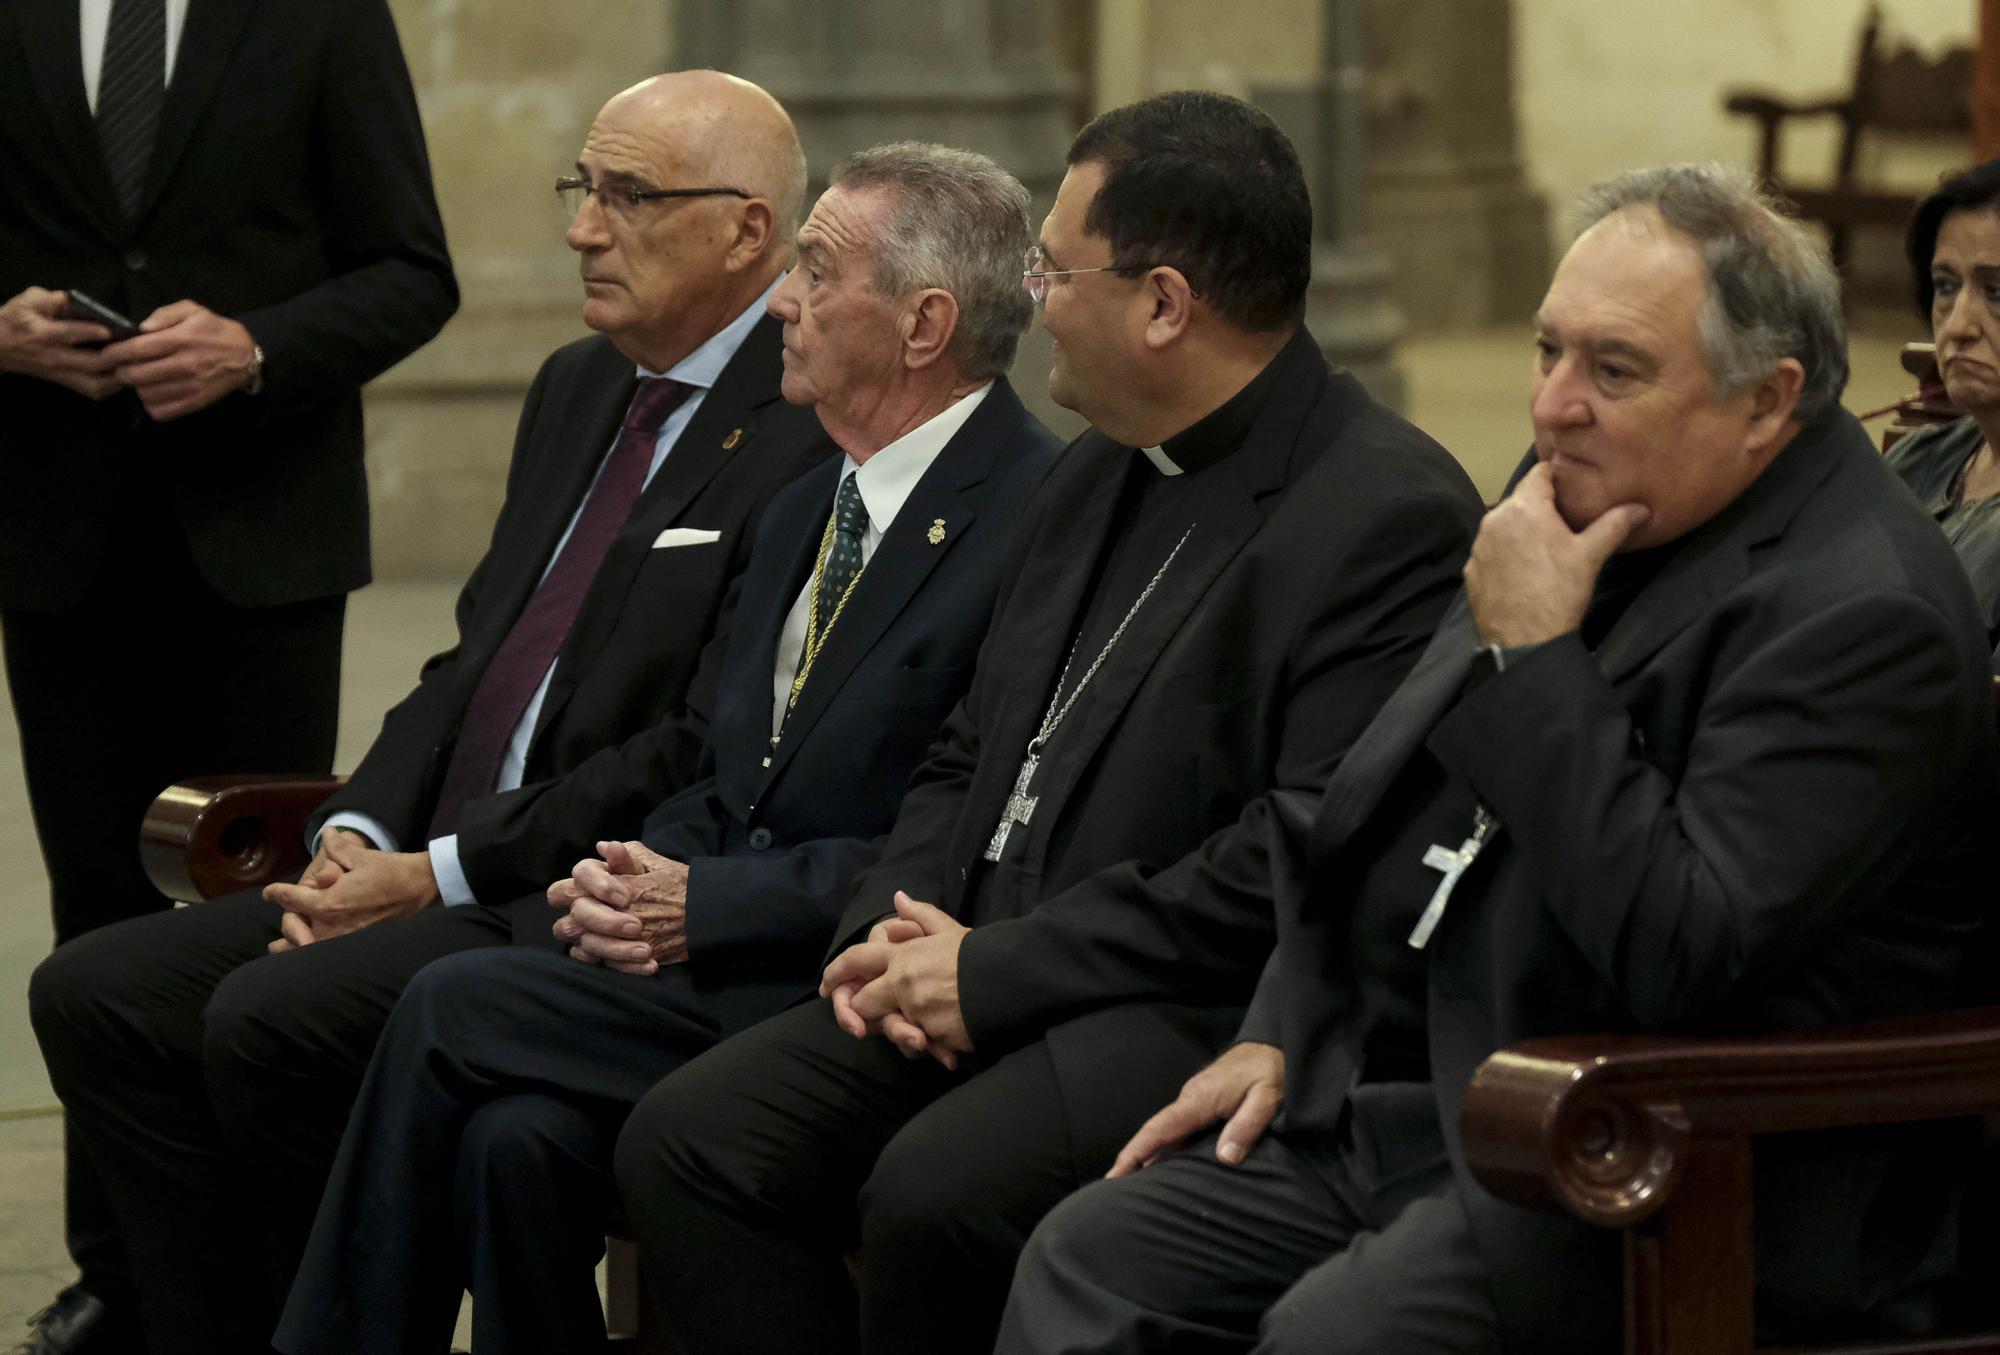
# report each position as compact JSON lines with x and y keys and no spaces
{"x":1020,"y":808}
{"x":1454,"y":864}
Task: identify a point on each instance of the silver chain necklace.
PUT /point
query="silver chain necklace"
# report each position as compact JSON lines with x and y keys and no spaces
{"x":1020,"y":806}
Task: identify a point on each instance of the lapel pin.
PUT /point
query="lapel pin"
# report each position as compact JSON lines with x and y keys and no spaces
{"x":936,"y":534}
{"x":735,"y":436}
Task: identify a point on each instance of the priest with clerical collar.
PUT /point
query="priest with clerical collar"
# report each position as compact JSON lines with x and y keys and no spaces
{"x":1209,"y":596}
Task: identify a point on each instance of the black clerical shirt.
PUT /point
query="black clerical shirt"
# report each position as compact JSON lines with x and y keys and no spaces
{"x":1162,"y":499}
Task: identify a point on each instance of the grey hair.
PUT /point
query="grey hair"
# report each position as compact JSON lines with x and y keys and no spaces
{"x":959,"y":222}
{"x":1772,"y":291}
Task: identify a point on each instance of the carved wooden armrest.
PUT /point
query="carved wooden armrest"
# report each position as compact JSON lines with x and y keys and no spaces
{"x":213,"y":835}
{"x":1602,"y":1125}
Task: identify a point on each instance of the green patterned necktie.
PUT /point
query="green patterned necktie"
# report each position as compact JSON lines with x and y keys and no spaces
{"x":843,"y":557}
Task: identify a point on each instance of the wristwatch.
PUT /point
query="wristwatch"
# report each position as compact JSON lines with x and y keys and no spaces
{"x":253,"y":371}
{"x":1493,"y":659}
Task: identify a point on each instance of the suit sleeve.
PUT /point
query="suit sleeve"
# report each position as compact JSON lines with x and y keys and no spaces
{"x":390,"y":286}
{"x":1808,"y":782}
{"x":519,"y":840}
{"x":1199,"y":930}
{"x":394,"y":780}
{"x":768,"y":907}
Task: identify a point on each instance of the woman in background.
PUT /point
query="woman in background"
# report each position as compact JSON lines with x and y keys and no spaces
{"x":1954,"y":470}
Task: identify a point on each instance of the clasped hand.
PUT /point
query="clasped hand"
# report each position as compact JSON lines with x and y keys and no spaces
{"x":627,"y":911}
{"x":902,"y":983}
{"x":350,"y":885}
{"x":1530,"y":578}
{"x":185,"y":357}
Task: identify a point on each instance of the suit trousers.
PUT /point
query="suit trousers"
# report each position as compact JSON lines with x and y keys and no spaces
{"x":479,"y":1153}
{"x":207,"y":1083}
{"x":1360,"y":1250}
{"x":152,"y":679}
{"x":751,"y":1172}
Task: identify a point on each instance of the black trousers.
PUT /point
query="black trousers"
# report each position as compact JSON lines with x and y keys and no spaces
{"x":153,"y":678}
{"x":207,"y":1083}
{"x":479,"y":1153}
{"x":749,"y":1174}
{"x":1362,"y":1249}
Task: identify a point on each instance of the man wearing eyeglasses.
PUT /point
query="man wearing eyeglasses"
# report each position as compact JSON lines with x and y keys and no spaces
{"x":1212,"y":593}
{"x":644,"y":459}
{"x":478,"y":1153}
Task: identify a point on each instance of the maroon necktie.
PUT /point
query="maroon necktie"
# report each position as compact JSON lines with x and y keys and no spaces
{"x":523,"y":658}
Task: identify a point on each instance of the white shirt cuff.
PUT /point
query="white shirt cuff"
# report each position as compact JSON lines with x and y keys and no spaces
{"x":454,"y":890}
{"x":368,"y":824}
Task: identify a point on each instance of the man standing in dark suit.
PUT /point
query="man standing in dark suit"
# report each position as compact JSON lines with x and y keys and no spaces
{"x":645,"y":457}
{"x":1713,"y":725}
{"x":186,"y":510}
{"x":479,"y":1152}
{"x":1209,"y":596}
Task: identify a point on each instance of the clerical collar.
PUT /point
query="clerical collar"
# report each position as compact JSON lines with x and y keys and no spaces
{"x":1219,"y":432}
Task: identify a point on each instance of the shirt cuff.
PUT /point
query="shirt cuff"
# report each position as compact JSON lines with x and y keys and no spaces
{"x":454,"y":890}
{"x":366,"y":824}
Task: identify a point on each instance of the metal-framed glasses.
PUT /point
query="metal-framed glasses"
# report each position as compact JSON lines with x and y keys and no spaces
{"x":625,"y":196}
{"x":1035,"y":278}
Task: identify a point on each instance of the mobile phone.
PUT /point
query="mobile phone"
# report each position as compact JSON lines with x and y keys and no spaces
{"x":82,"y":306}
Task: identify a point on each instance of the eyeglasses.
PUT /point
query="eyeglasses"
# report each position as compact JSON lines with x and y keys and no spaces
{"x":1035,"y":278}
{"x":626,"y":197}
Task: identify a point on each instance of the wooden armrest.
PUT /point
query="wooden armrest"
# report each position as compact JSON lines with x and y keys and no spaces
{"x":1771,"y":108}
{"x":1920,"y":361}
{"x":213,"y":835}
{"x":1599,"y":1125}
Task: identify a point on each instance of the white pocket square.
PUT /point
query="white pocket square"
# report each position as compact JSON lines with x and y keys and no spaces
{"x":685,"y":536}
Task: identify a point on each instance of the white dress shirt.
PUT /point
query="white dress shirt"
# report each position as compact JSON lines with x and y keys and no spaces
{"x":96,"y":19}
{"x":885,"y":481}
{"x":698,"y":369}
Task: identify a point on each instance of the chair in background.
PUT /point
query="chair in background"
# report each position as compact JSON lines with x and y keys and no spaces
{"x":1900,"y":93}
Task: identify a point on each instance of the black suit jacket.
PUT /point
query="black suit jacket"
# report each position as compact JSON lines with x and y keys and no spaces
{"x":1332,"y":541}
{"x":1751,"y":809}
{"x":773,"y":851}
{"x":289,"y":190}
{"x":649,"y":639}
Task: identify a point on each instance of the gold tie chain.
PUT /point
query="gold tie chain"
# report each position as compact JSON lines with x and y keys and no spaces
{"x":815,"y":637}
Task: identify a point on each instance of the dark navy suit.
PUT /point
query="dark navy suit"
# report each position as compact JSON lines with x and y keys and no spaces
{"x":478,"y":1154}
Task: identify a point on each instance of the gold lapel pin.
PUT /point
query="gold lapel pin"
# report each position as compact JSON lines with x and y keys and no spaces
{"x":735,"y":436}
{"x":936,"y":534}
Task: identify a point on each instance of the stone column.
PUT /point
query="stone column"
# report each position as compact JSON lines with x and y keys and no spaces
{"x":1351,"y":308}
{"x":1449,"y":198}
{"x":995,"y":76}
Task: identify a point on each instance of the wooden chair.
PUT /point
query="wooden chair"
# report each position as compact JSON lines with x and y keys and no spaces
{"x":1652,"y":1136}
{"x":1899,"y":92}
{"x":213,"y":835}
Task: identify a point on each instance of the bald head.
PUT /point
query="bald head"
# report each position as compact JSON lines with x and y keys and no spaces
{"x":724,"y":132}
{"x":699,"y":183}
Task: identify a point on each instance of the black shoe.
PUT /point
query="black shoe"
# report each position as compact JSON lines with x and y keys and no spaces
{"x":79,"y":1323}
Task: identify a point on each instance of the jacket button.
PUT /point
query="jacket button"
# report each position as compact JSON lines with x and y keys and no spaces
{"x":760,"y":839}
{"x":135,"y":260}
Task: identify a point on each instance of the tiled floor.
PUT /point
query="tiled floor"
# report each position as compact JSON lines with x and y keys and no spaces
{"x":1468,"y":390}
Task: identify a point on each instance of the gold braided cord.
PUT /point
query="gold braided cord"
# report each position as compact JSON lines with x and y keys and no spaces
{"x":815,"y":637}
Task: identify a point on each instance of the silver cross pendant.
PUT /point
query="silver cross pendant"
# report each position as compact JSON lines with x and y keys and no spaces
{"x":1454,"y":864}
{"x":1019,"y":809}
